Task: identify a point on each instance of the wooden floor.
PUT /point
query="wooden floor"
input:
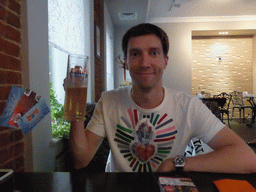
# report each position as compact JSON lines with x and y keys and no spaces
{"x":247,"y":133}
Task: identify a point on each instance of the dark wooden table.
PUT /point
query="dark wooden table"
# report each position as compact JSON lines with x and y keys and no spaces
{"x":121,"y":182}
{"x":221,"y":101}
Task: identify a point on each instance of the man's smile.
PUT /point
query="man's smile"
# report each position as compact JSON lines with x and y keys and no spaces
{"x":145,"y":73}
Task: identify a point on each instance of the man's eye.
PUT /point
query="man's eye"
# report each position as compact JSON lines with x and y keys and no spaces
{"x":155,"y":53}
{"x":134,"y":54}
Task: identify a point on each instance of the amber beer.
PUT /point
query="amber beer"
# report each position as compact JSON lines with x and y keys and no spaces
{"x":75,"y":107}
{"x":76,"y":88}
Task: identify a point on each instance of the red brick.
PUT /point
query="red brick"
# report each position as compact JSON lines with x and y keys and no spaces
{"x":12,"y":33}
{"x":5,"y":138}
{"x":17,"y":135}
{"x":7,"y":165}
{"x":2,"y":77}
{"x":12,"y":49}
{"x":14,"y":6}
{"x":19,"y":163}
{"x":3,"y":128}
{"x":1,"y":44}
{"x":19,"y":148}
{"x":4,"y":155}
{"x":5,"y":92}
{"x":21,"y":169}
{"x":9,"y":62}
{"x":4,"y":2}
{"x":2,"y":29}
{"x":13,"y":77}
{"x":13,"y":19}
{"x":4,"y":59}
{"x":2,"y":13}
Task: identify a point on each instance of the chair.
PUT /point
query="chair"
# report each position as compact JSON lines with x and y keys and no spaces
{"x":237,"y":101}
{"x":225,"y":109}
{"x":213,"y":106}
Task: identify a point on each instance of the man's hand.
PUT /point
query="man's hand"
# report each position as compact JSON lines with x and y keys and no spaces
{"x":166,"y":166}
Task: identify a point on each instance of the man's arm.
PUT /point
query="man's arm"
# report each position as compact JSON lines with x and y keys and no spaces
{"x":231,"y":155}
{"x":83,"y":144}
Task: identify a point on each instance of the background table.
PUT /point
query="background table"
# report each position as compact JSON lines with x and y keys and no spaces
{"x":221,"y":101}
{"x":121,"y":182}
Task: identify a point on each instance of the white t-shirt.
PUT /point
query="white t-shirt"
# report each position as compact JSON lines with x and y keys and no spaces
{"x":140,"y":139}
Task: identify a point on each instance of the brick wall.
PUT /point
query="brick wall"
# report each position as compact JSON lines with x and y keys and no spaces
{"x":234,"y":72}
{"x":11,"y":141}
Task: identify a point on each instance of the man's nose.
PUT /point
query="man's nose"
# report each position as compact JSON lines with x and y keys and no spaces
{"x":145,"y":60}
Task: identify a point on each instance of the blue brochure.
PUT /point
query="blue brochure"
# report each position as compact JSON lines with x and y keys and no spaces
{"x":23,"y":109}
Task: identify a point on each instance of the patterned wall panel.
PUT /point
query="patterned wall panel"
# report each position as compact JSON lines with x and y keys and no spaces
{"x":222,"y":65}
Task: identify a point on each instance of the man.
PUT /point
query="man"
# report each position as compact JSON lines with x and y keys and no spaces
{"x":148,"y":126}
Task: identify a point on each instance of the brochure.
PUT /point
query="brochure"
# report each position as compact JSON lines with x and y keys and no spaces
{"x":23,"y":109}
{"x":173,"y":184}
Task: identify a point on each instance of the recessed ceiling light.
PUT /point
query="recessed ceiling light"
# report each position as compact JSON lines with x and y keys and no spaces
{"x":223,"y":33}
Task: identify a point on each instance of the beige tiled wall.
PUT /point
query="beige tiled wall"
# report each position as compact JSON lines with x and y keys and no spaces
{"x":233,"y":72}
{"x":222,"y":65}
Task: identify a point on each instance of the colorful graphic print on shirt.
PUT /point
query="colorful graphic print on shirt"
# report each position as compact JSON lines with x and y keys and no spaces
{"x":145,"y":140}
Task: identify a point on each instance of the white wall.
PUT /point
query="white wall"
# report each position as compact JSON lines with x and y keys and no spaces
{"x":108,"y":26}
{"x":202,"y":8}
{"x":35,"y":70}
{"x":178,"y":73}
{"x":119,"y":77}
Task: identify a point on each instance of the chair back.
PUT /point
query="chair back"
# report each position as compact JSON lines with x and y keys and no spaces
{"x":228,"y":99}
{"x":237,"y":99}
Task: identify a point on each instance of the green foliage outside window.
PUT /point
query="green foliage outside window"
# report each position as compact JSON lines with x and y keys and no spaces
{"x":60,"y":127}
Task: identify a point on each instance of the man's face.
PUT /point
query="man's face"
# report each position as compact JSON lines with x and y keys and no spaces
{"x":146,"y":61}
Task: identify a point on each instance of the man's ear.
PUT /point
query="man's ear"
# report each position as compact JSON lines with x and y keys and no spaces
{"x":166,"y":58}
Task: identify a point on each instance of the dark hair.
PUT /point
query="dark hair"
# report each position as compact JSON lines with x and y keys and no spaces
{"x":145,"y":29}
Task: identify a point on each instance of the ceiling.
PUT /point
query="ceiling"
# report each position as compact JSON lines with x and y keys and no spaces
{"x":127,"y":6}
{"x":183,"y":11}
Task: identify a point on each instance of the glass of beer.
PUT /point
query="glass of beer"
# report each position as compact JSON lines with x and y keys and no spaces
{"x":76,"y":88}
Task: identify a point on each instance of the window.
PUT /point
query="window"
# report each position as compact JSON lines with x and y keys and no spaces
{"x":109,"y":60}
{"x":69,"y":33}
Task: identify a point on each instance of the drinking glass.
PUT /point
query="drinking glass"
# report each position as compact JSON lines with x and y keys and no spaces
{"x":76,"y":88}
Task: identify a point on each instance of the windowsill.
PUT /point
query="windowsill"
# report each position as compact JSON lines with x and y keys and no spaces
{"x":57,"y":141}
